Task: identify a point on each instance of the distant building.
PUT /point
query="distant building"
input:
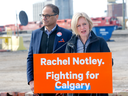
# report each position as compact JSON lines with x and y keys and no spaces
{"x":48,"y":2}
{"x":126,"y":8}
{"x":111,"y":1}
{"x":65,"y":8}
{"x":37,"y":9}
{"x":115,"y":9}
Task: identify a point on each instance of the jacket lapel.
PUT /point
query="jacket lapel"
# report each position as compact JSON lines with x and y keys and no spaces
{"x":39,"y":41}
{"x":58,"y":37}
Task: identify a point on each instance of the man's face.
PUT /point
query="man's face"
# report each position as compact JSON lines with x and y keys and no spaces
{"x":48,"y":20}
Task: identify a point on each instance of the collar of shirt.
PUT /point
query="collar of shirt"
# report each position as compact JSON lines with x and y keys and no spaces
{"x":82,"y":47}
{"x":47,"y":32}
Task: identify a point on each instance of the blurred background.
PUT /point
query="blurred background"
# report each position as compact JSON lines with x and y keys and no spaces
{"x":110,"y":20}
{"x":94,"y":8}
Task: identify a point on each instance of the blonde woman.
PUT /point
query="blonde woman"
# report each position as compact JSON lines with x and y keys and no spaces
{"x":84,"y":40}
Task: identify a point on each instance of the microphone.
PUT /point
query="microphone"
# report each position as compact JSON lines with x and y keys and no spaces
{"x":61,"y":46}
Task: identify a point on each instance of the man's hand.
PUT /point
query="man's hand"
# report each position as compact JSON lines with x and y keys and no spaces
{"x":31,"y":83}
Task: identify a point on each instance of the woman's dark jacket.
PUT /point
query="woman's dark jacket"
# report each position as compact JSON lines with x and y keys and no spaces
{"x":97,"y":44}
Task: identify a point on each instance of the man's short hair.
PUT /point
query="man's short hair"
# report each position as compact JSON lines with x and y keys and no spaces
{"x":55,"y":9}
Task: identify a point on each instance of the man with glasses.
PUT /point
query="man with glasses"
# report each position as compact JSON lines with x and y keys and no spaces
{"x":49,"y":39}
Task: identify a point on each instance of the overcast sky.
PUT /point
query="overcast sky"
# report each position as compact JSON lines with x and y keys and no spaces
{"x":9,"y":8}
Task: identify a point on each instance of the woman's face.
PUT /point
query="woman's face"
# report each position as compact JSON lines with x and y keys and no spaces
{"x":83,"y":27}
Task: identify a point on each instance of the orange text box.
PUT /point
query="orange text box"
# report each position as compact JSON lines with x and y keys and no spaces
{"x":73,"y":73}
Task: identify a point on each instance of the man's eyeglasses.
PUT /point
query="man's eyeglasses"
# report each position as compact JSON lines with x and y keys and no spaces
{"x":46,"y":16}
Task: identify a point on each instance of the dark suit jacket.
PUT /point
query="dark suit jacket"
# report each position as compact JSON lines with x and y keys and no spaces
{"x":35,"y":47}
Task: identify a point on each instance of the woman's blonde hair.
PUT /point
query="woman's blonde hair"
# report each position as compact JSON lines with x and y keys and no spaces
{"x":75,"y":20}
